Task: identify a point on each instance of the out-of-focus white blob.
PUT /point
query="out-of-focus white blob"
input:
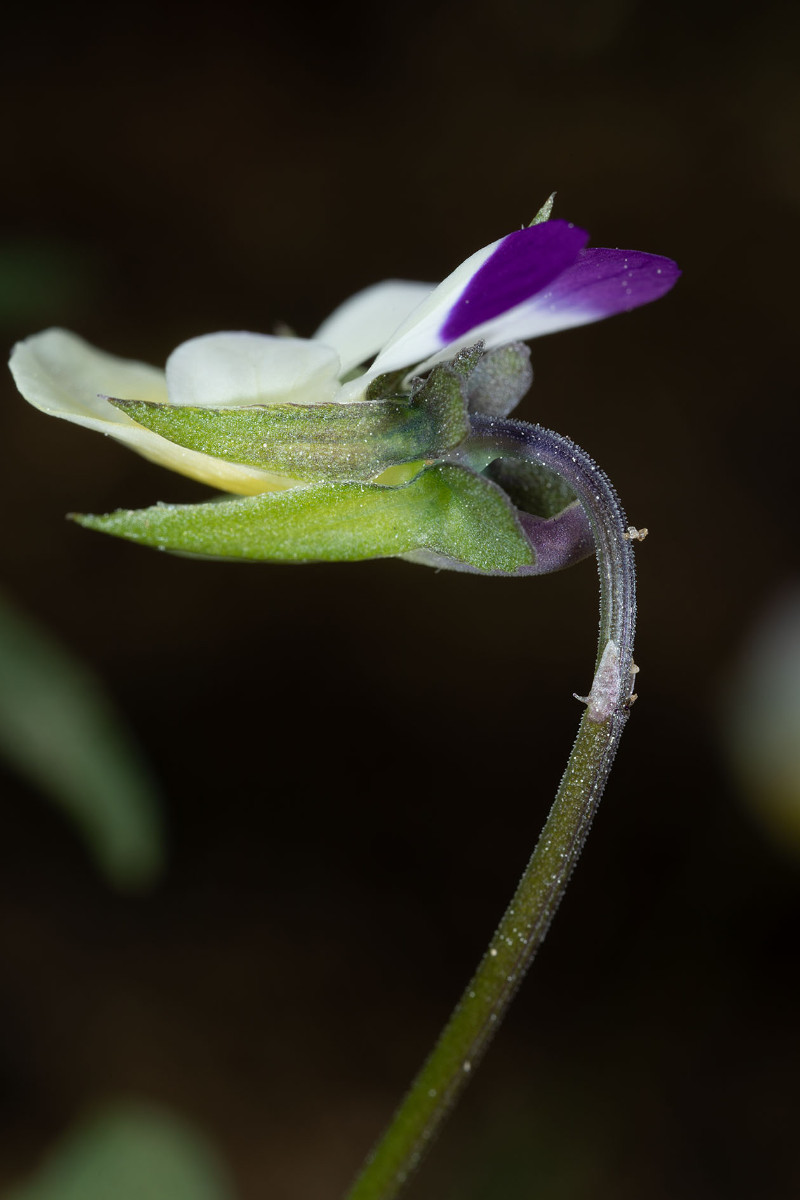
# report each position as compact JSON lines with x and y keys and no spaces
{"x":761,"y":720}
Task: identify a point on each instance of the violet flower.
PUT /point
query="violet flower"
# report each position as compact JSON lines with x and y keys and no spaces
{"x":387,"y":434}
{"x":534,"y":281}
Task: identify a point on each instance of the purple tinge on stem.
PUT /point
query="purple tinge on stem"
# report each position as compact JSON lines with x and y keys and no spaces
{"x":523,"y":264}
{"x":559,"y":541}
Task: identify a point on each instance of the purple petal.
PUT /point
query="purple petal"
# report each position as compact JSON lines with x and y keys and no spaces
{"x":523,"y":264}
{"x":604,"y":282}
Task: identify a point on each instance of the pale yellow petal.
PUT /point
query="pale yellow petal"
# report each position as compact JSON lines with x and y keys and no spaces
{"x":64,"y":376}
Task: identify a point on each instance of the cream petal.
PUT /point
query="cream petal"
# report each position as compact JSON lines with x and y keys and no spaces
{"x":361,"y":326}
{"x":64,"y":376}
{"x":221,"y":370}
{"x":227,"y":477}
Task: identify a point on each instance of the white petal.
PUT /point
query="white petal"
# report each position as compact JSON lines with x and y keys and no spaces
{"x":64,"y":376}
{"x":226,"y":369}
{"x":361,"y":326}
{"x":418,"y":337}
{"x":521,"y":324}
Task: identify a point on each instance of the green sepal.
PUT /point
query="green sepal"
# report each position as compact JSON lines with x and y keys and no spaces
{"x":531,"y":487}
{"x":386,"y":386}
{"x":544,"y":212}
{"x":319,"y":442}
{"x":390,"y":384}
{"x":466,"y":360}
{"x":500,"y":380}
{"x":446,"y":509}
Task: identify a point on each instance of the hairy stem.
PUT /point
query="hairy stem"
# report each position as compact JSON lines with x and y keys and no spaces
{"x":528,"y":916}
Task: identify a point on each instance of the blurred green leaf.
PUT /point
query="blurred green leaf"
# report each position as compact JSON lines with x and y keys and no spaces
{"x":129,"y":1152}
{"x":60,"y":730}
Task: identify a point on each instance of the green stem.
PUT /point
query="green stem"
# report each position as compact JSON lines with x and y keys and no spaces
{"x":527,"y":919}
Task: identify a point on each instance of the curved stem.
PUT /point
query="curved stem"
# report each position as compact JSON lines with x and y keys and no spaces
{"x":527,"y":919}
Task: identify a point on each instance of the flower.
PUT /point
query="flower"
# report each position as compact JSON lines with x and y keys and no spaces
{"x":349,"y":445}
{"x":534,"y":281}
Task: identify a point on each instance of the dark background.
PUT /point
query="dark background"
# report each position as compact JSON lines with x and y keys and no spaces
{"x":357,"y":759}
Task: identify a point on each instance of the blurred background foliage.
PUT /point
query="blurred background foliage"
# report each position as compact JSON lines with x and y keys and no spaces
{"x":357,"y":759}
{"x":59,"y":730}
{"x":130,"y":1152}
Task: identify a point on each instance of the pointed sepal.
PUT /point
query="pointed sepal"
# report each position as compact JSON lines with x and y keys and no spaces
{"x":546,"y":211}
{"x":446,"y":509}
{"x":318,"y":442}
